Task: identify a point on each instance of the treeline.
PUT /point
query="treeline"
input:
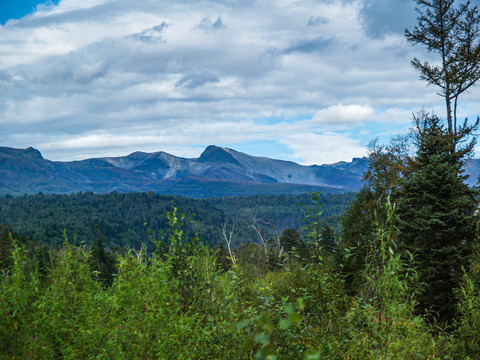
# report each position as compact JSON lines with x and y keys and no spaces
{"x":128,"y":220}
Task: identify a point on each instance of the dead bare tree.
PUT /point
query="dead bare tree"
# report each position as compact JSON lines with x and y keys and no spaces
{"x":228,"y":240}
{"x":256,"y":225}
{"x":271,"y":223}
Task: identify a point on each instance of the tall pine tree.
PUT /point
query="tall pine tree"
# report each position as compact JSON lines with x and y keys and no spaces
{"x":436,"y":216}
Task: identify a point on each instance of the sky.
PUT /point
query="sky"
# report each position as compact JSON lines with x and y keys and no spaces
{"x":311,"y":81}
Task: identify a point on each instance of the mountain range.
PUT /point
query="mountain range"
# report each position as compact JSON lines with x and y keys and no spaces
{"x":217,"y":172}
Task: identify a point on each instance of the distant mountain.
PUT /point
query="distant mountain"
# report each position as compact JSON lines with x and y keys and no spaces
{"x":217,"y":172}
{"x":472,"y":169}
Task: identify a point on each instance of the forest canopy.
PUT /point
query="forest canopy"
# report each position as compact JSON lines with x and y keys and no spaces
{"x":130,"y":219}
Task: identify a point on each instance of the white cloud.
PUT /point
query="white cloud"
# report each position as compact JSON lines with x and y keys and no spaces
{"x":339,"y":115}
{"x":77,"y":76}
{"x":328,"y":148}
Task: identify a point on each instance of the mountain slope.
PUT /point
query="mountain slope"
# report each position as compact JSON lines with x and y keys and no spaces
{"x":217,"y":172}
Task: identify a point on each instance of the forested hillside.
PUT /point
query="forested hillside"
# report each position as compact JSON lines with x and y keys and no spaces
{"x":130,"y":220}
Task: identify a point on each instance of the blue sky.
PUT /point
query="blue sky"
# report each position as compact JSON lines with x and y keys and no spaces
{"x":17,"y":9}
{"x":311,"y":81}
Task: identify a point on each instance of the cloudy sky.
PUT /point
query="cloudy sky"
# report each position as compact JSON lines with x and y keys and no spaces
{"x":311,"y":81}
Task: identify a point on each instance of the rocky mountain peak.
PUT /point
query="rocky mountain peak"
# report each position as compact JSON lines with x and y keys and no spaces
{"x":217,"y":154}
{"x":28,"y":152}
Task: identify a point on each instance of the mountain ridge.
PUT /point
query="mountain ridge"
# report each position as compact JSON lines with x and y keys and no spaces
{"x":218,"y":171}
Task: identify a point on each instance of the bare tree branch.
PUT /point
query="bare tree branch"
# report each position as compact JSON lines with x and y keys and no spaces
{"x":228,"y":240}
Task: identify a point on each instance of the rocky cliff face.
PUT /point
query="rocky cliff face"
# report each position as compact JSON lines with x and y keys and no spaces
{"x":26,"y":171}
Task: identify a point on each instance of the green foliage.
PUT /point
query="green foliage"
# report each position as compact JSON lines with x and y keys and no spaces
{"x":358,"y":233}
{"x":381,"y":322}
{"x":173,"y":306}
{"x":69,"y":313}
{"x":384,"y":178}
{"x":177,"y":303}
{"x":19,"y":286}
{"x":128,"y":220}
{"x":6,"y":246}
{"x":328,"y":241}
{"x":327,"y":324}
{"x":467,"y":341}
{"x":102,"y":262}
{"x":293,"y":244}
{"x":436,"y":219}
{"x":313,"y":227}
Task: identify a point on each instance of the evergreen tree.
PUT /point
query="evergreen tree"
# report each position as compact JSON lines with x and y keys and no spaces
{"x":6,"y":246}
{"x":291,"y":240}
{"x":7,"y":237}
{"x":436,"y":216}
{"x":328,"y":240}
{"x":102,"y":262}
